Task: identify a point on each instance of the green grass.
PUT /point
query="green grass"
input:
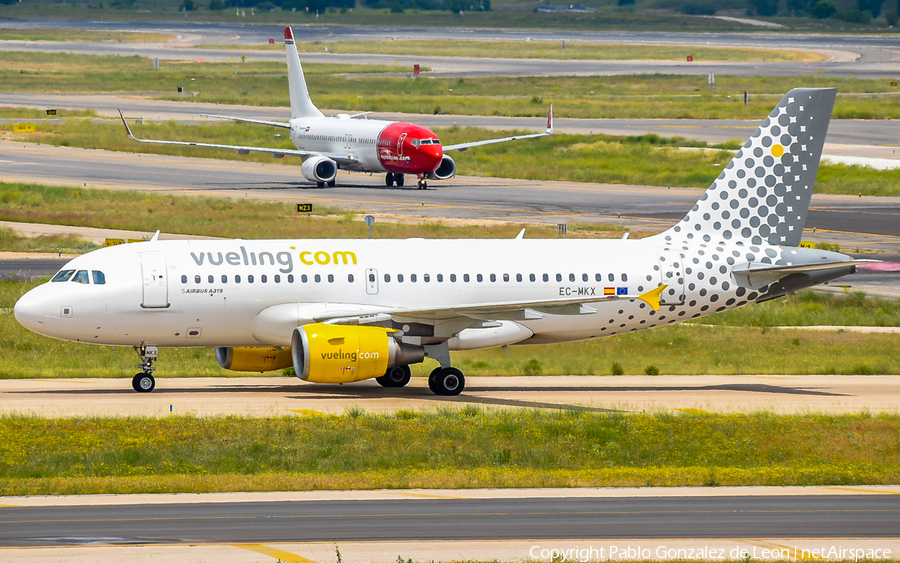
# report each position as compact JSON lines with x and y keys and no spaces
{"x":809,"y":308}
{"x":648,"y":160}
{"x":81,"y":35}
{"x":134,"y":210}
{"x":11,"y":241}
{"x":450,"y":448}
{"x":360,"y":88}
{"x":677,"y":349}
{"x":545,"y":50}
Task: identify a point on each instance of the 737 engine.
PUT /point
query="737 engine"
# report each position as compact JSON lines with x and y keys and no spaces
{"x":445,"y":170}
{"x":254,"y":358}
{"x":319,"y":169}
{"x":341,"y":354}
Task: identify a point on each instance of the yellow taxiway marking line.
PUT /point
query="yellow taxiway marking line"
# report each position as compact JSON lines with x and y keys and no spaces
{"x":285,"y":556}
{"x":861,"y":490}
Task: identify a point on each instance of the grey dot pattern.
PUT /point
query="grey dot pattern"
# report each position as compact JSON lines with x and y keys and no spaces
{"x":764,"y":193}
{"x":754,"y":212}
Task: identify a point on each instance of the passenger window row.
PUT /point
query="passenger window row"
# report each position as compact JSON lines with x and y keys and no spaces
{"x":263,"y":278}
{"x":400,"y":278}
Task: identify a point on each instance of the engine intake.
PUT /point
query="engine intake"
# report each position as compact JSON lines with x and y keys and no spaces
{"x":341,"y":354}
{"x":319,"y":169}
{"x":446,"y":170}
{"x":254,"y":358}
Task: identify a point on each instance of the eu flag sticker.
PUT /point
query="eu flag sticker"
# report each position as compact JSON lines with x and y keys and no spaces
{"x":621,"y":291}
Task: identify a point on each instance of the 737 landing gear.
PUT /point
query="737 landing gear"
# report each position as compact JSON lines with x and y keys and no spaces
{"x":392,"y":178}
{"x":423,"y":184}
{"x":144,"y":381}
{"x":395,"y":377}
{"x":446,"y":381}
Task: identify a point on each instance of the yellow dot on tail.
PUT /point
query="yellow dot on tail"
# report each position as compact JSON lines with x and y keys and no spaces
{"x":777,"y":151}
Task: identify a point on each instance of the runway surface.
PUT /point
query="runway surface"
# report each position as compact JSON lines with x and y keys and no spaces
{"x":814,"y":516}
{"x":276,"y":396}
{"x":846,"y":137}
{"x":862,"y":56}
{"x":870,"y":221}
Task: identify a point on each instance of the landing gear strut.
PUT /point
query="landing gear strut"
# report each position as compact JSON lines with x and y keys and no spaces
{"x":392,"y":178}
{"x":144,"y":382}
{"x":395,"y":377}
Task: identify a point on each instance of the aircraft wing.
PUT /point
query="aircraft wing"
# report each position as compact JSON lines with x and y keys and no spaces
{"x":466,"y":146}
{"x":341,"y":158}
{"x":245,"y":120}
{"x":509,"y":310}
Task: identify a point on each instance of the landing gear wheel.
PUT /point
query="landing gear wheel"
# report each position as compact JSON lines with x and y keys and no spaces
{"x":399,"y":179}
{"x":446,"y":381}
{"x":395,"y":377}
{"x":143,"y":382}
{"x":331,"y":183}
{"x":389,"y":179}
{"x":423,"y":184}
{"x":320,"y":184}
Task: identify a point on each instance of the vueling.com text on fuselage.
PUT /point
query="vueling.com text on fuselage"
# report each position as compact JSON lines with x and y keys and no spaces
{"x":285,"y":259}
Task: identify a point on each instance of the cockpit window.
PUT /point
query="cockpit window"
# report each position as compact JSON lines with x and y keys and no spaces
{"x":99,"y":277}
{"x":415,"y":142}
{"x":430,"y":142}
{"x":81,"y":276}
{"x":63,"y":275}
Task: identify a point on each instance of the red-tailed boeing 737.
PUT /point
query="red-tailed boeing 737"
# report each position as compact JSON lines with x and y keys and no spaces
{"x":326,"y":144}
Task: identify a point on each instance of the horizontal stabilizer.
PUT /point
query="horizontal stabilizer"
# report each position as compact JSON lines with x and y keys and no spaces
{"x":757,"y":274}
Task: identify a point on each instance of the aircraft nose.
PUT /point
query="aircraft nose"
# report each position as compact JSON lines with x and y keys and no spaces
{"x":29,"y":311}
{"x":434,"y":153}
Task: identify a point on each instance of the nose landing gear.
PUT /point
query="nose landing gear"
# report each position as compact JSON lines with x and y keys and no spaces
{"x":144,"y":382}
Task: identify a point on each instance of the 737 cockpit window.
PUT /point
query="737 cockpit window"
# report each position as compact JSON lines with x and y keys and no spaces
{"x":99,"y":277}
{"x":63,"y":275}
{"x":81,"y":276}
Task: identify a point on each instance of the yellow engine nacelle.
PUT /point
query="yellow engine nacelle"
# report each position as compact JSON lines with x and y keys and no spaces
{"x":254,"y":358}
{"x":341,"y":354}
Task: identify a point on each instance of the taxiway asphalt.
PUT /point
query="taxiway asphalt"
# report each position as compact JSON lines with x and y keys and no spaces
{"x":276,"y":396}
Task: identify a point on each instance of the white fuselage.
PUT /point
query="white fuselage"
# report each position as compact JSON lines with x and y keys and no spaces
{"x":214,"y":293}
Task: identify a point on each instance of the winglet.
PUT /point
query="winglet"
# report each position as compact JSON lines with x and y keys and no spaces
{"x":125,"y":123}
{"x":550,"y":119}
{"x":288,"y":33}
{"x":652,"y":297}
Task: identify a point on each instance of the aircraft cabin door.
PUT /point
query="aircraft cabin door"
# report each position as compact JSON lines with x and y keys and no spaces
{"x":671,"y":272}
{"x":371,"y":281}
{"x":155,"y":284}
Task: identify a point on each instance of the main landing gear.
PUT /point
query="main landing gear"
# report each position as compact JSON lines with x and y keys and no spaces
{"x":395,"y":377}
{"x":392,"y":178}
{"x":144,"y":382}
{"x":447,"y":381}
{"x":329,"y":183}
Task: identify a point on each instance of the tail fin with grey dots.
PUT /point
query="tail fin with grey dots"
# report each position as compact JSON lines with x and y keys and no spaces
{"x":764,"y":192}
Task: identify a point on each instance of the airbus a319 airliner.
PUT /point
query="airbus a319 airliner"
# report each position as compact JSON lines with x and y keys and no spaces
{"x":340,"y":311}
{"x":326,"y":144}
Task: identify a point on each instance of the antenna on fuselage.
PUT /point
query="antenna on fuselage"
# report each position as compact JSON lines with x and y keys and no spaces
{"x":155,"y":237}
{"x":301,"y":104}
